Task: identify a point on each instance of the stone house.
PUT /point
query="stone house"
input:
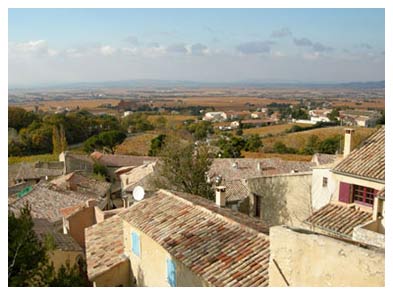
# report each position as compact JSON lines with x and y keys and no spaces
{"x":178,"y":239}
{"x":357,"y":199}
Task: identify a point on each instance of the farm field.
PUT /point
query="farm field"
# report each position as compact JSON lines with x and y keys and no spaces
{"x":299,"y":139}
{"x":172,"y":120}
{"x":274,"y":129}
{"x":138,"y":145}
{"x":33,"y":158}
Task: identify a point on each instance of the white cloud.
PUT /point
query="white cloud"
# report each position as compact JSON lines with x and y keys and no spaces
{"x":107,"y":50}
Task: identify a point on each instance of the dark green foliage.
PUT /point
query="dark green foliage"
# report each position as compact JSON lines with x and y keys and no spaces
{"x":137,"y":122}
{"x":19,"y":118}
{"x":299,"y":114}
{"x":100,"y":169}
{"x":156,"y":145}
{"x":381,"y":120}
{"x":280,"y":148}
{"x":200,"y":130}
{"x":183,"y":168}
{"x":334,"y":114}
{"x":28,"y":260}
{"x":330,"y":145}
{"x":312,"y":145}
{"x":254,"y":143}
{"x":231,"y":147}
{"x":105,"y":140}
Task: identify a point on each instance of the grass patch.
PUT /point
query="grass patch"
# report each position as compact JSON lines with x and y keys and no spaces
{"x":33,"y":158}
{"x":138,"y":145}
{"x":274,"y":129}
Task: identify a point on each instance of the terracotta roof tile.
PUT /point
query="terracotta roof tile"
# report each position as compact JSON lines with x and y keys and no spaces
{"x":338,"y":219}
{"x":121,"y":160}
{"x":224,"y":247}
{"x":368,"y":160}
{"x":104,"y":246}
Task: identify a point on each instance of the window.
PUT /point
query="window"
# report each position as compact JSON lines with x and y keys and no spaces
{"x":257,"y":206}
{"x":324,"y":181}
{"x":171,"y":272}
{"x":364,"y":195}
{"x":136,"y":244}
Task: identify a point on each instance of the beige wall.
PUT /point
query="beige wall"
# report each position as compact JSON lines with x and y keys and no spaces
{"x":117,"y":276}
{"x":322,"y":195}
{"x":150,"y":268}
{"x":342,"y":178}
{"x":78,"y":222}
{"x":309,"y":259}
{"x":285,"y":199}
{"x":59,"y":257}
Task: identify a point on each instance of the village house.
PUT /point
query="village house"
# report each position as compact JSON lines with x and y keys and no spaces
{"x":215,"y":116}
{"x":355,"y":199}
{"x":65,"y":248}
{"x":273,"y":190}
{"x":178,"y":239}
{"x":33,"y":173}
{"x":363,"y":118}
{"x":139,"y":176}
{"x":76,"y":162}
{"x":319,"y":115}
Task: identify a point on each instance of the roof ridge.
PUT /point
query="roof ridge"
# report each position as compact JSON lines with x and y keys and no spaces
{"x":216,"y":214}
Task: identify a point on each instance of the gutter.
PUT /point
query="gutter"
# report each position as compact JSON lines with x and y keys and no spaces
{"x":358,"y":176}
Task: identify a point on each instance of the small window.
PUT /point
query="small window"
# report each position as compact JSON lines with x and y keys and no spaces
{"x":364,"y":195}
{"x":171,"y":272}
{"x":136,"y":244}
{"x":324,"y":182}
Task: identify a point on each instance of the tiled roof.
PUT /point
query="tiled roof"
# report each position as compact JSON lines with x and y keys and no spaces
{"x":79,"y":181}
{"x":223,"y":247}
{"x":121,"y":160}
{"x":248,"y":167}
{"x":104,"y":246}
{"x":368,"y":160}
{"x":28,"y":171}
{"x":43,"y":227}
{"x":323,"y":159}
{"x":338,"y":219}
{"x":139,"y":176}
{"x":46,"y":201}
{"x":236,"y":190}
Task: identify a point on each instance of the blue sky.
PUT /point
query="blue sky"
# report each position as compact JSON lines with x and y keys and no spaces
{"x":74,"y":45}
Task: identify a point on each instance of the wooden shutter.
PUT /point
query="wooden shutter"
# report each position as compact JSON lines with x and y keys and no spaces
{"x":171,"y":272}
{"x":345,"y":192}
{"x":136,"y":248}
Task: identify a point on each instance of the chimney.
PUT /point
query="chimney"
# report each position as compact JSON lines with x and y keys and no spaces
{"x":348,"y":141}
{"x":220,"y":196}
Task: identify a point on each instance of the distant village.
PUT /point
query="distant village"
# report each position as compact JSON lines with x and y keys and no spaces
{"x":271,"y":222}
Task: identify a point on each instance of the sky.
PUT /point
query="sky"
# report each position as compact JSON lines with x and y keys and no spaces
{"x":208,"y":45}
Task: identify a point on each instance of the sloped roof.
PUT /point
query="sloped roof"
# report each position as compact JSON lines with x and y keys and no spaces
{"x":28,"y":171}
{"x":248,"y":167}
{"x":82,"y":183}
{"x":104,"y":246}
{"x":46,"y":200}
{"x":323,"y":159}
{"x":338,"y":219}
{"x":43,"y":227}
{"x":139,"y":176}
{"x":236,"y":190}
{"x":121,"y":160}
{"x":368,"y":160}
{"x":224,"y":247}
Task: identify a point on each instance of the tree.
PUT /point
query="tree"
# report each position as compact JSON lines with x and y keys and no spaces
{"x":312,"y":145}
{"x":280,"y":148}
{"x":104,"y":140}
{"x":200,"y":130}
{"x":56,"y":141}
{"x":231,"y":147}
{"x":334,"y":114}
{"x":156,"y":144}
{"x":254,"y":143}
{"x":28,"y":259}
{"x":63,"y":139}
{"x":19,"y":118}
{"x":183,"y":167}
{"x":330,"y":145}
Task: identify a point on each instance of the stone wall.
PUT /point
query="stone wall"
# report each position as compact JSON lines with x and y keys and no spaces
{"x":370,"y":233}
{"x":285,"y":199}
{"x":303,"y":258}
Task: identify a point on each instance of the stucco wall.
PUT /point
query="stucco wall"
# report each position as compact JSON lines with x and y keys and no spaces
{"x":342,"y":178}
{"x":59,"y":257}
{"x":78,"y":222}
{"x":285,"y":199}
{"x":115,"y":277}
{"x":322,"y":195}
{"x":309,"y":259}
{"x":150,"y":268}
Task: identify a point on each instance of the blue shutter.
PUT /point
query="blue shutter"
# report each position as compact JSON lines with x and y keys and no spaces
{"x":171,"y":272}
{"x":136,"y":247}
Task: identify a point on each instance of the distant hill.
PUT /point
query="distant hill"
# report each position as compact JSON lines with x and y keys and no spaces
{"x":194,"y":84}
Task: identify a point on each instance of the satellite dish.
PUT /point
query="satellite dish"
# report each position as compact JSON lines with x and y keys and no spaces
{"x":138,"y":193}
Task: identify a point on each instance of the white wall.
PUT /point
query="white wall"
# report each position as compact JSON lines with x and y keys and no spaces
{"x":322,"y":195}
